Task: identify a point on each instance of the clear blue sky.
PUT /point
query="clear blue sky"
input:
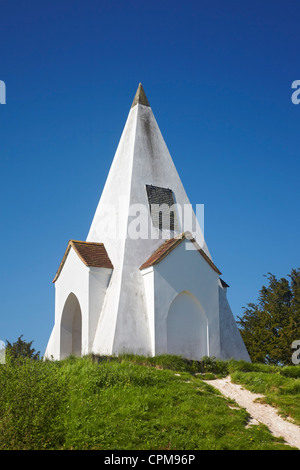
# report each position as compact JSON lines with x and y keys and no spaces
{"x":218,"y":77}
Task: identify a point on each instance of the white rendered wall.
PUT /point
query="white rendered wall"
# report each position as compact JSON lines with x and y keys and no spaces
{"x":184,"y":270}
{"x":232,"y":345}
{"x":187,"y":328}
{"x":71,"y":328}
{"x":141,"y":158}
{"x":99,"y":279}
{"x":89,"y":286}
{"x":148,"y":284}
{"x":73,"y":278}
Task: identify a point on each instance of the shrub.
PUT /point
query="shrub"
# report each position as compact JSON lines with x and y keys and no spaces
{"x":291,"y":371}
{"x":31,"y":397}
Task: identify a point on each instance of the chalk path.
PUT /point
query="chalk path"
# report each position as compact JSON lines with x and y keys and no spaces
{"x":260,"y":413}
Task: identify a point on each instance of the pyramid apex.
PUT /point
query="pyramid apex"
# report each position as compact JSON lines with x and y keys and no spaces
{"x":140,"y":97}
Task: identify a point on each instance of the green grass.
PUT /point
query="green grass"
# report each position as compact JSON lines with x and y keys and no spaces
{"x":130,"y":402}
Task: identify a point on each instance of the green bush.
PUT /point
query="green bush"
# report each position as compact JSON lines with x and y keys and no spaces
{"x":243,"y":366}
{"x":291,"y":371}
{"x":172,"y":362}
{"x":31,"y":399}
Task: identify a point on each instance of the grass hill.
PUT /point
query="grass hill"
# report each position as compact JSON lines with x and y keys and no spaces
{"x":135,"y":403}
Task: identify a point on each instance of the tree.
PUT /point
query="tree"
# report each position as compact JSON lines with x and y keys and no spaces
{"x":21,"y":348}
{"x":270,"y":326}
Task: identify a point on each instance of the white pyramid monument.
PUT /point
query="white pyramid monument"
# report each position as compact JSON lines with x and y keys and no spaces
{"x":144,"y":281}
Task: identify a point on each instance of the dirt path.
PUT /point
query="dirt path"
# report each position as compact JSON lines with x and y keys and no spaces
{"x":259,"y":412}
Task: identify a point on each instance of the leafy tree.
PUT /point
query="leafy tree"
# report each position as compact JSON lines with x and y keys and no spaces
{"x":270,"y":326}
{"x":21,"y":348}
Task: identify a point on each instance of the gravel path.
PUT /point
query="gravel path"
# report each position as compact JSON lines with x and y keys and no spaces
{"x":259,"y":412}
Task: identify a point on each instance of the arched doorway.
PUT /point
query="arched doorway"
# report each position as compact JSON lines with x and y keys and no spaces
{"x":70,"y":328}
{"x":187,"y":329}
